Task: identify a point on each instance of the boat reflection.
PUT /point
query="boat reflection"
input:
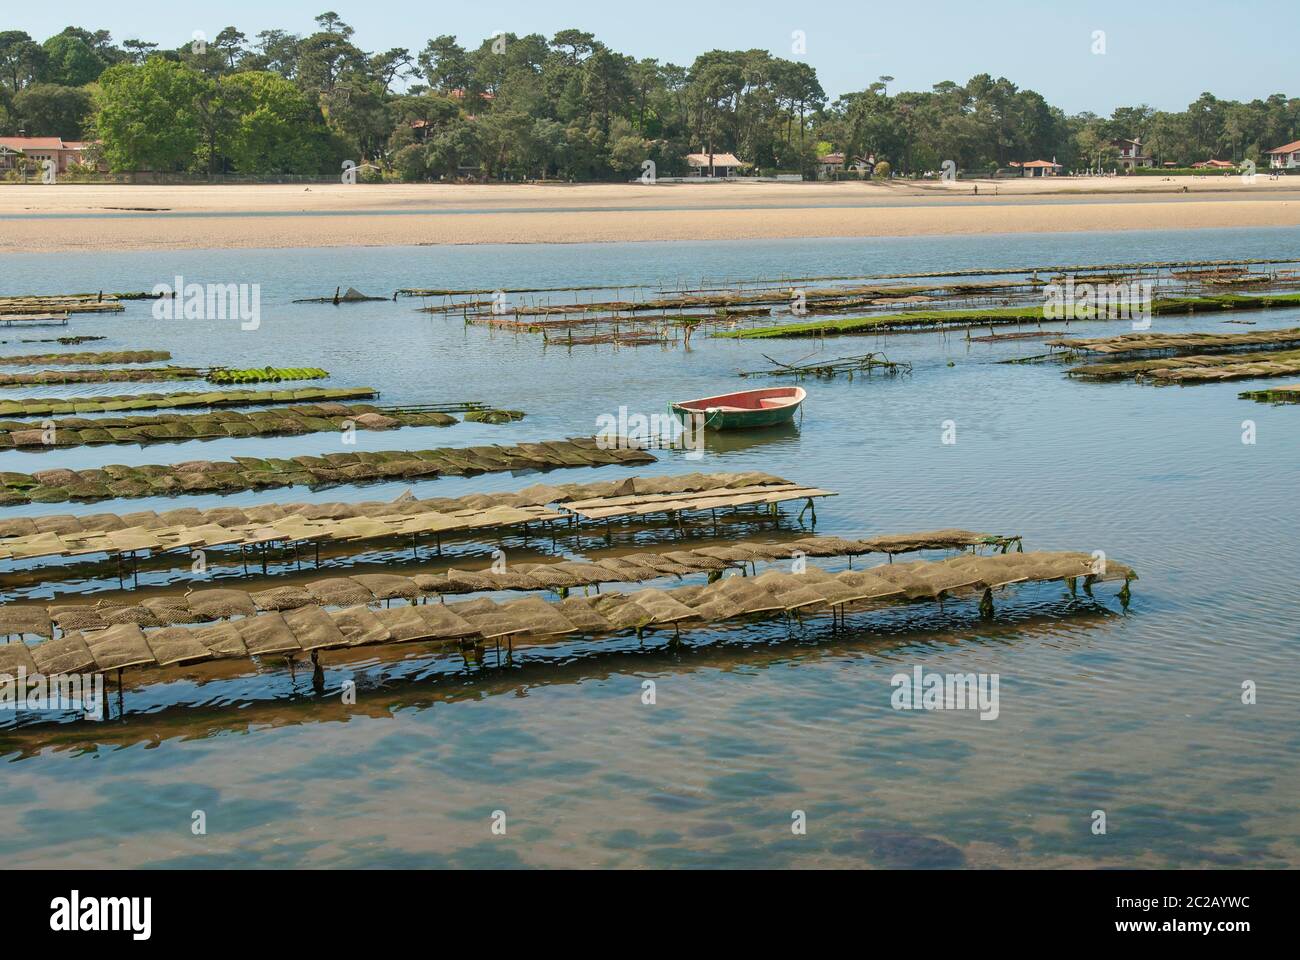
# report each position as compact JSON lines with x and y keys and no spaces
{"x":733,"y":441}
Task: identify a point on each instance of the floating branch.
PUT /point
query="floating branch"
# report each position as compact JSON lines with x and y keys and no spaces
{"x":867,"y":362}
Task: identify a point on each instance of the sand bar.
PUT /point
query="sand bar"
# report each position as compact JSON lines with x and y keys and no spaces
{"x":69,"y":217}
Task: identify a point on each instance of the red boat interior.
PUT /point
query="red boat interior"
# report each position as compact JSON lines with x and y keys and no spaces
{"x":747,"y":400}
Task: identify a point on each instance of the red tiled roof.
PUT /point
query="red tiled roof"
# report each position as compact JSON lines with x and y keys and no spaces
{"x":1288,"y":148}
{"x":32,"y":143}
{"x":1034,"y":163}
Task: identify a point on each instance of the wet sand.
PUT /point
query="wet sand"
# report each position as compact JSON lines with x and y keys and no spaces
{"x":66,"y":217}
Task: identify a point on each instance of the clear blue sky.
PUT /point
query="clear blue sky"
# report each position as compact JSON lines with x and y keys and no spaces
{"x":1160,"y":52}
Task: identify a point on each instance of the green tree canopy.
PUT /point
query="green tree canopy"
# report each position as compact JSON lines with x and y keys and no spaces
{"x":71,"y":61}
{"x":49,"y":110}
{"x":278,"y":128}
{"x":148,"y":117}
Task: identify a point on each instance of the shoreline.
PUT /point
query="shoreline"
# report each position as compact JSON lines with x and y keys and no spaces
{"x":98,"y":218}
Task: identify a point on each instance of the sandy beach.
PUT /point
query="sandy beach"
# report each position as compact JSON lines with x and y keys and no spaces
{"x":67,"y":217}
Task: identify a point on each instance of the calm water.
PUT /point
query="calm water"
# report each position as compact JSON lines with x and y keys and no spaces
{"x":1138,"y":714}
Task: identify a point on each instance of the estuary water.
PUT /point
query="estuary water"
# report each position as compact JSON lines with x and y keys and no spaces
{"x":1137,"y":714}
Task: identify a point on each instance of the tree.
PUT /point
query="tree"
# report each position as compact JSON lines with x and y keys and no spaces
{"x":277,"y":129}
{"x":138,"y":50}
{"x":419,"y":117}
{"x":22,"y":59}
{"x":606,"y":84}
{"x":324,"y":57}
{"x":50,"y":110}
{"x":577,"y":44}
{"x":147,"y":116}
{"x":279,"y":50}
{"x":568,"y":106}
{"x":333,"y":24}
{"x":627,"y":151}
{"x":1094,"y":147}
{"x":391,"y":64}
{"x":713,"y":90}
{"x":445,"y":64}
{"x":358,"y":109}
{"x":454,"y":147}
{"x":70,"y":61}
{"x":230,"y":43}
{"x":412,"y":162}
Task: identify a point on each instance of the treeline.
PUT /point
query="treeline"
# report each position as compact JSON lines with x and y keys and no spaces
{"x":567,"y":107}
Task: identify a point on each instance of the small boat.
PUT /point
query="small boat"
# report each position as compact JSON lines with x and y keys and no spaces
{"x":748,"y":408}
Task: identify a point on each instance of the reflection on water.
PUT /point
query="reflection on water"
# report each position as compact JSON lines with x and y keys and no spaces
{"x":1140,"y":714}
{"x":733,"y":441}
{"x":194,"y":701}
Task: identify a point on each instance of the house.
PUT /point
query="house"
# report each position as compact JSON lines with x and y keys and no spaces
{"x":1037,"y":168}
{"x":830,"y":165}
{"x":1214,"y":165}
{"x":723,"y":164}
{"x":1131,"y":155}
{"x":1285,"y":157}
{"x":62,"y":152}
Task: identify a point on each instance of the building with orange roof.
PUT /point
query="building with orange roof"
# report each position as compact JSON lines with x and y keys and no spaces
{"x":1285,"y":157}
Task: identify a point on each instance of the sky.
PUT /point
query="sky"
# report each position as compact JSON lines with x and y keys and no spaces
{"x":1163,"y":53}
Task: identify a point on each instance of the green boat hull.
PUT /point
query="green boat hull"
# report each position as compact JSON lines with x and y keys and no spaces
{"x":739,"y":419}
